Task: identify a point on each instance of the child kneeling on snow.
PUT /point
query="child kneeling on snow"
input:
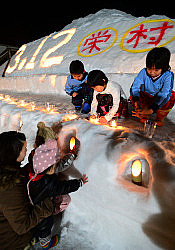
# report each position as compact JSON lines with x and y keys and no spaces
{"x":76,"y":86}
{"x":44,"y":183}
{"x":109,"y":99}
{"x":41,"y":184}
{"x":152,"y":90}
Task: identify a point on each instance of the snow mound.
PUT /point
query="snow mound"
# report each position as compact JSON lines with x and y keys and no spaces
{"x":110,"y":40}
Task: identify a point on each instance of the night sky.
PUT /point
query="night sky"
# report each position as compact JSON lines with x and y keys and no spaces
{"x":30,"y":21}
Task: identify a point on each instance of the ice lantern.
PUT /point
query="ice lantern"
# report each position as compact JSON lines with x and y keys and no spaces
{"x":136,"y":172}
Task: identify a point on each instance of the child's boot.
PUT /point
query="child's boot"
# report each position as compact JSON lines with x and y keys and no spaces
{"x":77,"y":103}
{"x":52,"y":243}
{"x":161,"y":114}
{"x":86,"y":109}
{"x":77,"y":108}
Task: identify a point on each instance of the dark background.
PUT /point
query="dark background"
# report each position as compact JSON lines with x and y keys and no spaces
{"x":27,"y":21}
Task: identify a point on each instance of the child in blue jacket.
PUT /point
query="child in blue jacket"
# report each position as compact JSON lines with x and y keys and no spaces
{"x":76,"y":86}
{"x":152,"y":89}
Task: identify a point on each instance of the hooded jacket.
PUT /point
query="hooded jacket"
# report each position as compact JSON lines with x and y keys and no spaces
{"x":17,"y":216}
{"x":44,"y":185}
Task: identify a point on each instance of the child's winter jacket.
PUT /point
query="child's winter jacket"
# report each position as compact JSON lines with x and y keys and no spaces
{"x":73,"y":85}
{"x":49,"y":185}
{"x":161,"y":87}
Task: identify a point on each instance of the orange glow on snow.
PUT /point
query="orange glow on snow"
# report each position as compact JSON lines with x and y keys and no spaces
{"x":113,"y":123}
{"x":94,"y":120}
{"x":69,"y":117}
{"x":29,"y":106}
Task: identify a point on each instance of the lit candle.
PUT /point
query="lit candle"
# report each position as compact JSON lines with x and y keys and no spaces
{"x":113,"y":124}
{"x":136,"y":172}
{"x":33,"y":106}
{"x":72,"y":143}
{"x":48,"y":107}
{"x":22,"y":102}
{"x":20,"y":125}
{"x":7,"y":98}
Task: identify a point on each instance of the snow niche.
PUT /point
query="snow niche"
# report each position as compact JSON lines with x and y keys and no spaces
{"x":145,"y":172}
{"x":125,"y":148}
{"x":65,"y":134}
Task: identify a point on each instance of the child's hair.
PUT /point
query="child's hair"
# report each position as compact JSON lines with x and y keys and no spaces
{"x":76,"y":67}
{"x":96,"y":77}
{"x":158,"y":58}
{"x":45,"y":133}
{"x":11,"y":144}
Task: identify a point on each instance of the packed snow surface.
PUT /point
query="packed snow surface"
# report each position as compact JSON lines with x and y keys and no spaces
{"x":109,"y":212}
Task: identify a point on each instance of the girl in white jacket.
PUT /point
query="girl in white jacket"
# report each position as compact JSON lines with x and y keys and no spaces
{"x":108,"y":99}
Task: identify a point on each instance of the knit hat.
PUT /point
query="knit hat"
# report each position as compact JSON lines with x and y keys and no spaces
{"x":46,"y":132}
{"x":45,"y":155}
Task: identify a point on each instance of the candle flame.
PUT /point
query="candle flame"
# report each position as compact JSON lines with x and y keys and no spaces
{"x":22,"y":103}
{"x":113,"y":123}
{"x":72,"y":143}
{"x":33,"y":107}
{"x":93,"y":120}
{"x":48,"y":109}
{"x":136,"y":168}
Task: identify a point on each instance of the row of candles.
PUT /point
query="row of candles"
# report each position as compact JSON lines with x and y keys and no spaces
{"x":29,"y":106}
{"x":49,"y":109}
{"x":149,"y":127}
{"x":112,"y":123}
{"x":136,"y":171}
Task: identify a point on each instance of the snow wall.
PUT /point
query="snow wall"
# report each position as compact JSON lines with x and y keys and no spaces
{"x":110,"y":40}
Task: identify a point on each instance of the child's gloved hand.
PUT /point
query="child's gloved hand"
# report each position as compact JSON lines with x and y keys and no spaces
{"x":102,"y":120}
{"x":84,"y":179}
